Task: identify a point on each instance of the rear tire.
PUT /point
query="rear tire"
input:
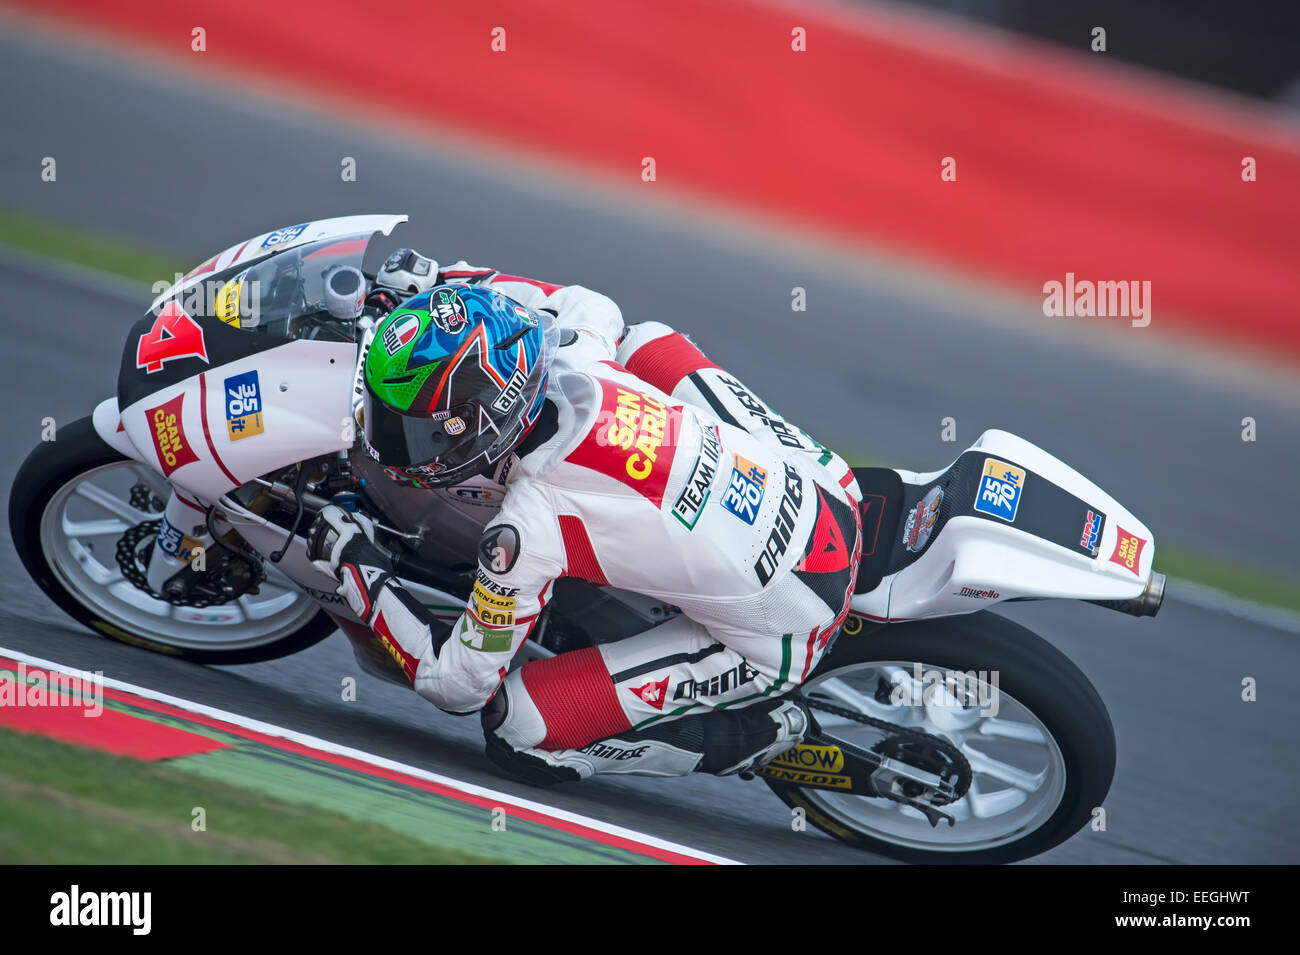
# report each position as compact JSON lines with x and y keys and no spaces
{"x":1032,"y":673}
{"x":50,"y":467}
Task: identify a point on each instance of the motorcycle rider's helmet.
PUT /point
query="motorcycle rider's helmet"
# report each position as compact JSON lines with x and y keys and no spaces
{"x":455,"y":377}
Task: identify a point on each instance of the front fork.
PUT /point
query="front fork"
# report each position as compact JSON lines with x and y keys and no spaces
{"x":182,"y":540}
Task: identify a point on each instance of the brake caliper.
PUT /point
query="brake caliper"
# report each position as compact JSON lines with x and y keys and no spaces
{"x":225,"y":576}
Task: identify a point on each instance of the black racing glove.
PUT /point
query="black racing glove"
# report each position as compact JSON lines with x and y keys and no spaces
{"x":343,"y":545}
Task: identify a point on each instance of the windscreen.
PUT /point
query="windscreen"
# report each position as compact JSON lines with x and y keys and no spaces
{"x":314,"y":291}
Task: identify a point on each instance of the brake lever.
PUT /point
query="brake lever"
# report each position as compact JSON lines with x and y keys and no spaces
{"x":315,"y":503}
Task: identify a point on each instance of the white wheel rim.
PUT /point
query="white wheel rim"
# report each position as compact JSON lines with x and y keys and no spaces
{"x":1018,"y":772}
{"x":79,"y":531}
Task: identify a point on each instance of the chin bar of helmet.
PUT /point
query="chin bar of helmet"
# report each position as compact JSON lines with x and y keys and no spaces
{"x":1145,"y":604}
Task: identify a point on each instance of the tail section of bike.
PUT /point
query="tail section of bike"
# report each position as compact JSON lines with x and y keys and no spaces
{"x":1006,"y":521}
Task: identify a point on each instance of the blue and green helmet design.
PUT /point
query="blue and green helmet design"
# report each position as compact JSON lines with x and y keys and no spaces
{"x":454,"y":379}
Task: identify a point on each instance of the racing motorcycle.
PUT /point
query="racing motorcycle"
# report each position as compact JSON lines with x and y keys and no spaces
{"x":174,"y":518}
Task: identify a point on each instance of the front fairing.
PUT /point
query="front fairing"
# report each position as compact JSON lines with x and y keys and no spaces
{"x":223,"y":380}
{"x":252,"y":297}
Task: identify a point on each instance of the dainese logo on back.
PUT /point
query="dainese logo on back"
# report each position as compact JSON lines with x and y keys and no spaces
{"x":653,"y":693}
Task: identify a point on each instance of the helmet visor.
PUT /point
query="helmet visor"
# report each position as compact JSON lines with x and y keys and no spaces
{"x":403,"y":441}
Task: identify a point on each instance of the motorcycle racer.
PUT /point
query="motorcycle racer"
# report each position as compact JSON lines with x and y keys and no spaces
{"x":630,"y":460}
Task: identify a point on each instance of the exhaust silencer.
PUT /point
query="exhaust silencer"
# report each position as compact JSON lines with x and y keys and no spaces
{"x":1145,"y":604}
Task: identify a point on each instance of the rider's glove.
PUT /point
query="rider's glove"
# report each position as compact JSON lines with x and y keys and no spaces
{"x":462,"y":273}
{"x":408,"y":271}
{"x":343,"y":546}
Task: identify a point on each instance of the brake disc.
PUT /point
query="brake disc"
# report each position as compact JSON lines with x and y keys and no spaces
{"x":227,"y":580}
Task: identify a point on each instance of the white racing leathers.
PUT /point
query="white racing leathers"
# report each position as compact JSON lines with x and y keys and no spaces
{"x":654,"y":471}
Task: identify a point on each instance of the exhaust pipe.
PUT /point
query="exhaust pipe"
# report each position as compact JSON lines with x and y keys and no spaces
{"x":1145,"y":604}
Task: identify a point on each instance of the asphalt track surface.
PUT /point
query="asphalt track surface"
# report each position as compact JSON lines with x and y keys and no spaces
{"x":870,"y":367}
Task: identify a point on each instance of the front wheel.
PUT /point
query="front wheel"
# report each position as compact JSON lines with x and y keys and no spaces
{"x":1037,"y":736}
{"x":71,"y":503}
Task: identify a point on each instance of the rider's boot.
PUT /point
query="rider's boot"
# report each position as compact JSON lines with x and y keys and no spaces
{"x":720,"y":742}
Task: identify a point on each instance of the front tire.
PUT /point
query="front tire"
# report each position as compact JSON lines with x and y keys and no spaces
{"x":1054,"y":723}
{"x":79,"y":576}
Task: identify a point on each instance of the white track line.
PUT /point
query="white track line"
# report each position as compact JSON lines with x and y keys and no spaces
{"x":314,"y":742}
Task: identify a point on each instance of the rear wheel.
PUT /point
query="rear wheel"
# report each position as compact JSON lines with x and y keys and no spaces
{"x":1039,"y":740}
{"x":70,"y":505}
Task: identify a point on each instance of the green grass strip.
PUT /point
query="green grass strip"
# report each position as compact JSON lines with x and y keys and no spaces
{"x":103,"y":253}
{"x":62,"y":804}
{"x":1250,"y":583}
{"x":438,"y":822}
{"x":420,"y":817}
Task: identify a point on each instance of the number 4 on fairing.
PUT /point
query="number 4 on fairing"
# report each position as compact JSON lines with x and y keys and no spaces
{"x":174,"y":335}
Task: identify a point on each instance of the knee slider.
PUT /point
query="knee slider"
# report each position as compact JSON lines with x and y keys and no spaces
{"x":494,"y":714}
{"x":523,"y":766}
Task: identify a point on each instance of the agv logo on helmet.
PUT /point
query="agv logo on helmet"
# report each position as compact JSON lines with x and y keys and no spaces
{"x":399,"y":334}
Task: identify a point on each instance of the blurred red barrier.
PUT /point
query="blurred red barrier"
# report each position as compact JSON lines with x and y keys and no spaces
{"x":1061,"y":166}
